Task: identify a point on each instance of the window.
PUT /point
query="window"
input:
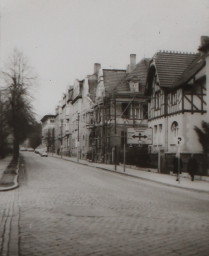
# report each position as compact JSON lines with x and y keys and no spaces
{"x":157,"y":100}
{"x":135,"y":111}
{"x":98,"y":115}
{"x":145,"y":111}
{"x":67,"y":124}
{"x":134,"y":86}
{"x":160,"y":134}
{"x":174,"y":98}
{"x":51,"y":121}
{"x":155,"y":134}
{"x":174,"y":131}
{"x":125,"y":110}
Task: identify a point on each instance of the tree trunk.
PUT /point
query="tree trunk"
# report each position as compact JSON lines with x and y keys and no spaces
{"x":15,"y":148}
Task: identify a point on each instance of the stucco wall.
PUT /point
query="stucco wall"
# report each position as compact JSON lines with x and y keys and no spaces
{"x":168,"y":142}
{"x":159,"y":140}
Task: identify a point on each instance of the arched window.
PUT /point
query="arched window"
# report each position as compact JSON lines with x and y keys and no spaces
{"x":174,"y":130}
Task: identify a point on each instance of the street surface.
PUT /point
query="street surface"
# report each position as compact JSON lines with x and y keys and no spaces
{"x":63,"y":208}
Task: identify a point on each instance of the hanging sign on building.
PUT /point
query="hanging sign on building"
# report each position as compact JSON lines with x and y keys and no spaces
{"x":139,"y":136}
{"x":179,"y":140}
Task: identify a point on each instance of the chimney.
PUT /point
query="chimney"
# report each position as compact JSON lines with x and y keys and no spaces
{"x":97,"y":67}
{"x":132,"y":61}
{"x":204,"y":44}
{"x":203,"y":40}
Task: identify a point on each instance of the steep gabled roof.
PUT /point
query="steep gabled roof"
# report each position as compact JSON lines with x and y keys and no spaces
{"x":122,"y":85}
{"x":170,"y":66}
{"x":140,"y":71}
{"x":139,"y":74}
{"x":44,"y":118}
{"x":111,"y":78}
{"x":191,"y":71}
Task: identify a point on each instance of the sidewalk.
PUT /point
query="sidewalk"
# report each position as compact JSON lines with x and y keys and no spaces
{"x":147,"y":174}
{"x":4,"y":163}
{"x":8,"y":181}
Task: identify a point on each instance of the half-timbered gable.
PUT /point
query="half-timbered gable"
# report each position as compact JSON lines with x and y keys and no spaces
{"x":204,"y":50}
{"x":176,"y":90}
{"x":166,"y":69}
{"x":193,"y":87}
{"x":174,"y":102}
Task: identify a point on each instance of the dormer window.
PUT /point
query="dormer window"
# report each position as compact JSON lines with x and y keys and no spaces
{"x":134,"y":87}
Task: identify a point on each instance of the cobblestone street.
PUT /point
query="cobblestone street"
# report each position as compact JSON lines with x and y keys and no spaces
{"x":63,"y":208}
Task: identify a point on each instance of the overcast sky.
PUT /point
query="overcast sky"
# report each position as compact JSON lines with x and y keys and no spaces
{"x":64,"y":38}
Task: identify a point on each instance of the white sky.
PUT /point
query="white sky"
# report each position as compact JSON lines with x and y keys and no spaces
{"x":64,"y":38}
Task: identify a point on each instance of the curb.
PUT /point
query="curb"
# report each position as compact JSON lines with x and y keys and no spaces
{"x":16,"y":184}
{"x":131,"y":175}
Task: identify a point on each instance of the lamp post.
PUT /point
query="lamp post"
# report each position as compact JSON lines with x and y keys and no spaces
{"x":107,"y":125}
{"x":124,"y":145}
{"x":179,"y":143}
{"x":61,"y":146}
{"x":78,"y":119}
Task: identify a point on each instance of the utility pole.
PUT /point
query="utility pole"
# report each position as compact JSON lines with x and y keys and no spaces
{"x":124,"y":148}
{"x":115,"y":148}
{"x":61,"y":137}
{"x":78,"y":142}
{"x":124,"y":145}
{"x":179,"y":141}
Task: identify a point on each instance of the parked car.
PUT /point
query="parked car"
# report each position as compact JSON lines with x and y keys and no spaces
{"x":30,"y":149}
{"x":37,"y":151}
{"x":23,"y":149}
{"x":43,"y":153}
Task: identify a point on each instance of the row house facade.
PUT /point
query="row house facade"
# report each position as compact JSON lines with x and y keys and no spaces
{"x":168,"y":94}
{"x":94,"y":114}
{"x":120,"y":104}
{"x":74,"y":117}
{"x":48,"y":132}
{"x":177,"y":87}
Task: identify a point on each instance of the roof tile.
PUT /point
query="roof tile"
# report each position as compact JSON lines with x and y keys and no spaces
{"x":112,"y":77}
{"x":171,"y":66}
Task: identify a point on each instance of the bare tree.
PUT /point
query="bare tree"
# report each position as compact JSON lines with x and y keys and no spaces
{"x":3,"y":125}
{"x":18,"y":78}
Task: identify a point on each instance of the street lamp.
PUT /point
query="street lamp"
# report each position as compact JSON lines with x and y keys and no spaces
{"x":107,"y":125}
{"x":78,"y":141}
{"x":124,"y":146}
{"x":61,"y":146}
